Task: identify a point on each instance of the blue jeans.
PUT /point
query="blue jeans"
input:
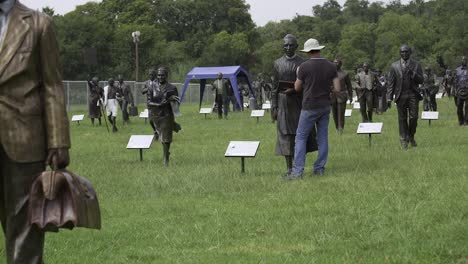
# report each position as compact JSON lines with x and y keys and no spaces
{"x":307,"y":121}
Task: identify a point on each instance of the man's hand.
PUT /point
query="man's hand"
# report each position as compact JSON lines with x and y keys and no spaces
{"x":58,"y":158}
{"x":290,"y":91}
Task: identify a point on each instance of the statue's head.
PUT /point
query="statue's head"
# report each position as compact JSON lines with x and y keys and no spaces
{"x":220,"y":75}
{"x":289,"y":45}
{"x":464,"y":60}
{"x":152,"y":74}
{"x":162,"y":75}
{"x":120,"y":78}
{"x":365,"y":66}
{"x":95,"y":80}
{"x":405,"y":52}
{"x":110,"y":82}
{"x":427,"y":69}
{"x":338,"y":63}
{"x":448,"y":71}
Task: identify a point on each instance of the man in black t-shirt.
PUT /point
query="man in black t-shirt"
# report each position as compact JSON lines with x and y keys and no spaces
{"x":315,"y":77}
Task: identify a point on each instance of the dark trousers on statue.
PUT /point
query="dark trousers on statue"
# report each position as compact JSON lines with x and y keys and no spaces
{"x":24,"y":243}
{"x":222,"y":105}
{"x":366,"y":102}
{"x":408,"y":108}
{"x":338,"y":110}
{"x":125,"y":115}
{"x":462,"y":111}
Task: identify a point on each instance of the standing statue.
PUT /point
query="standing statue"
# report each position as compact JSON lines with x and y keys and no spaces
{"x":429,"y":90}
{"x":221,"y":87}
{"x":94,"y":105}
{"x":151,"y":84}
{"x":381,"y":93}
{"x":339,"y":99}
{"x":111,"y":94}
{"x":461,"y":92}
{"x":163,"y":101}
{"x":447,"y":84}
{"x":404,"y":77}
{"x":34,"y":122}
{"x":257,"y":86}
{"x":286,"y":103}
{"x":367,"y":84}
{"x":126,"y":98}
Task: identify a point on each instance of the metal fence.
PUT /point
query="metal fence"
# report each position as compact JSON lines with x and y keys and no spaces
{"x":77,"y":92}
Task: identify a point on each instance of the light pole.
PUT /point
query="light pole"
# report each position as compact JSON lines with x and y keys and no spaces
{"x":136,"y":39}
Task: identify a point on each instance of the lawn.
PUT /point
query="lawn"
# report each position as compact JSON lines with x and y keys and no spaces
{"x":376,"y":204}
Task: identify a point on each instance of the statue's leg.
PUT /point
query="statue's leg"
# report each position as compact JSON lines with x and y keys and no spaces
{"x":166,"y":153}
{"x":92,"y":121}
{"x":114,"y":124}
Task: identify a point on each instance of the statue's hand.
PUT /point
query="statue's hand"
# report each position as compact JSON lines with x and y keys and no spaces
{"x":58,"y":158}
{"x":389,"y":104}
{"x":274,"y":114}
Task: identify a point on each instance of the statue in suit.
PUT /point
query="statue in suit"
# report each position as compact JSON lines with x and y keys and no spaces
{"x":339,"y":99}
{"x":367,"y":83}
{"x":126,"y":99}
{"x":405,"y":76}
{"x":221,"y":87}
{"x":461,"y":92}
{"x":35,"y":127}
{"x":429,"y":90}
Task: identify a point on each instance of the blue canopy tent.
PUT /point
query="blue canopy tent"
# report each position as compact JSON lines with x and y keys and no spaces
{"x":229,"y":72}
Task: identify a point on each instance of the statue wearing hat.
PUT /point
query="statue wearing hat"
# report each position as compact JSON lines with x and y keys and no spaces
{"x":286,"y":102}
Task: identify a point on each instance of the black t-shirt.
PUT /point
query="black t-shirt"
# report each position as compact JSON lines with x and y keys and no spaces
{"x":317,"y":76}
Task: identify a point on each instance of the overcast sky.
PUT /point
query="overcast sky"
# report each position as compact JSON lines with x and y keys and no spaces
{"x":262,"y":11}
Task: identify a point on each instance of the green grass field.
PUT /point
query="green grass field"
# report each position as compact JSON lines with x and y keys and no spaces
{"x":377,"y":204}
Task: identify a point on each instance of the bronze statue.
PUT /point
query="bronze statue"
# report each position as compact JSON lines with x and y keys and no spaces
{"x":126,"y":98}
{"x":163,"y":100}
{"x":35,"y":127}
{"x":367,"y":84}
{"x":286,"y":103}
{"x":339,"y":99}
{"x":461,"y":92}
{"x":429,"y":90}
{"x":221,"y":86}
{"x":111,"y":93}
{"x":447,"y":84}
{"x":94,"y":103}
{"x":151,"y":84}
{"x":404,"y":77}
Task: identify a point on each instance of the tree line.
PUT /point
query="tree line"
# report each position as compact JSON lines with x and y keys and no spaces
{"x":95,"y":38}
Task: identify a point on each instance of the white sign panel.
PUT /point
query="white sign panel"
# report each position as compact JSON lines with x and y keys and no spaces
{"x":266,"y":106}
{"x":438,"y":96}
{"x":428,"y":115}
{"x":257,"y":113}
{"x":348,"y":112}
{"x":357,"y":106}
{"x":370,"y":128}
{"x":242,"y":149}
{"x":77,"y":117}
{"x":144,"y":114}
{"x":140,"y":141}
{"x":206,"y":110}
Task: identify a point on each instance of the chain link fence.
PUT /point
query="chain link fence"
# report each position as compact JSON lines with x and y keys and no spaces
{"x":77,"y":93}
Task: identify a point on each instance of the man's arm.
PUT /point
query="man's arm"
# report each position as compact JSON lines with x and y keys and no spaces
{"x":336,"y":85}
{"x":391,"y":83}
{"x":298,"y":85}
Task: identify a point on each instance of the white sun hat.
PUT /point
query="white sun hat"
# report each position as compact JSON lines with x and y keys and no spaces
{"x":312,"y":44}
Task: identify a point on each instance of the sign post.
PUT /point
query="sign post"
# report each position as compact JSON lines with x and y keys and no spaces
{"x":370,"y":128}
{"x":140,"y":142}
{"x":242,"y":149}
